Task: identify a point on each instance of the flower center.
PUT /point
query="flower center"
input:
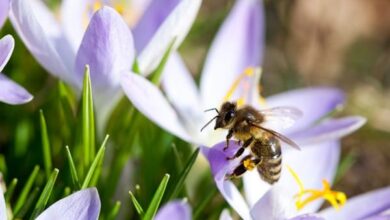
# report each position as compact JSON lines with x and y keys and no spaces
{"x":305,"y":196}
{"x":245,"y":87}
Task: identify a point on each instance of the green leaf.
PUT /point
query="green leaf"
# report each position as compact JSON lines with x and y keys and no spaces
{"x":114,"y":211}
{"x":66,"y":97}
{"x":136,"y":67}
{"x":73,"y":171}
{"x":92,"y":169}
{"x":45,"y":195}
{"x":136,"y":204}
{"x":88,"y":121}
{"x":345,"y":164}
{"x":10,"y":190}
{"x":155,"y":203}
{"x":45,"y":145}
{"x":155,"y":77}
{"x":179,"y":183}
{"x":26,"y":189}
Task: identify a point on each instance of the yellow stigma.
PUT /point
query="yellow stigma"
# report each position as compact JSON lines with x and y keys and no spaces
{"x":335,"y":198}
{"x":243,"y":82}
{"x":120,"y":8}
{"x":96,"y":6}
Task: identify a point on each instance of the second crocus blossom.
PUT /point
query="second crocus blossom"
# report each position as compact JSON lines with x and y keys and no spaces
{"x":229,"y":74}
{"x":10,"y":92}
{"x":81,"y":205}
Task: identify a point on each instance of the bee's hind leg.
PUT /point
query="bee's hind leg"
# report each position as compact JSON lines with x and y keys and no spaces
{"x":247,"y":163}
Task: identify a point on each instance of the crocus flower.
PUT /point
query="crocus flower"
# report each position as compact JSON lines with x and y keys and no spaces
{"x":104,"y":42}
{"x":229,"y":74}
{"x":308,"y":169}
{"x":81,"y":205}
{"x":10,"y":92}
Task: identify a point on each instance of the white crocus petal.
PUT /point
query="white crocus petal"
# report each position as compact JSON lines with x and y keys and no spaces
{"x":149,"y":100}
{"x":38,"y":39}
{"x":320,"y":163}
{"x":74,"y":20}
{"x":225,"y":215}
{"x":3,"y":210}
{"x":82,"y":205}
{"x":254,"y":187}
{"x":274,"y":204}
{"x":182,"y":92}
{"x":174,"y":28}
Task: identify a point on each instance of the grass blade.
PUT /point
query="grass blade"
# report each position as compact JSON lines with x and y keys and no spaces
{"x":114,"y":211}
{"x":136,"y":204}
{"x":45,"y":195}
{"x":26,"y":190}
{"x":45,"y":145}
{"x":182,"y":177}
{"x":73,"y":171}
{"x":156,"y":75}
{"x":88,"y":121}
{"x":10,"y":190}
{"x":155,"y":203}
{"x":92,"y":169}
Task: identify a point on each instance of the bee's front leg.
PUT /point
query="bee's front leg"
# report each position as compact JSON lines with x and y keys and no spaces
{"x":228,"y":137}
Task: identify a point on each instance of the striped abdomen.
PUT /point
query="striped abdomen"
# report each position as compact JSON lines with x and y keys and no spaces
{"x":269,"y":151}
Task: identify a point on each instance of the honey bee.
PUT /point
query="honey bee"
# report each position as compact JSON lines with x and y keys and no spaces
{"x":247,"y":125}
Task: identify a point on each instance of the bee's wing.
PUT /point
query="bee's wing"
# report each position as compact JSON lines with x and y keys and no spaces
{"x":280,"y":117}
{"x":279,"y":136}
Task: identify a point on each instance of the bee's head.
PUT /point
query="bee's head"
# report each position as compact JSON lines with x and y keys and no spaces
{"x":226,"y":115}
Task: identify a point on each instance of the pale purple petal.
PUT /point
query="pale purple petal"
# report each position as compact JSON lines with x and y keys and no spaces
{"x":175,"y":210}
{"x":254,"y":187}
{"x":331,"y":129}
{"x":364,"y":206}
{"x":41,"y":40}
{"x":312,"y":164}
{"x":3,"y":210}
{"x":307,"y":217}
{"x":239,"y":44}
{"x":314,"y":102}
{"x":180,"y":87}
{"x":174,"y":29}
{"x":4,"y":8}
{"x":149,"y":100}
{"x":153,"y":17}
{"x":7,"y":44}
{"x":82,"y":205}
{"x":379,"y":217}
{"x":74,"y":19}
{"x":12,"y":93}
{"x":220,"y":166}
{"x":107,"y":47}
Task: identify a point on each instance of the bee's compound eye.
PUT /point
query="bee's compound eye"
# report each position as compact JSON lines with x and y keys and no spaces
{"x":229,"y":115}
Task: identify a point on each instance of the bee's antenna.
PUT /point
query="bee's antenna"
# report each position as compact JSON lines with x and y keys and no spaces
{"x":208,"y":123}
{"x":211,"y":109}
